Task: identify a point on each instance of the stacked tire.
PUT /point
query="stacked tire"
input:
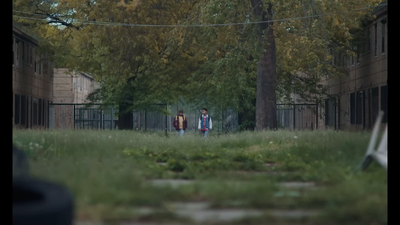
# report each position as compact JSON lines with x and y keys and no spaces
{"x":39,"y":202}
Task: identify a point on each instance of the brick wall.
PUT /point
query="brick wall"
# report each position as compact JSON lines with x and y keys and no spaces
{"x":32,"y":88}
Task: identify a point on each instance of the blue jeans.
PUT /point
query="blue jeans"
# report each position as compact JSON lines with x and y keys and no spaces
{"x":205,"y":133}
{"x":181,"y":132}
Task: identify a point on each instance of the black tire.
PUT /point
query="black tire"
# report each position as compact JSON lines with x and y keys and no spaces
{"x":37,"y":202}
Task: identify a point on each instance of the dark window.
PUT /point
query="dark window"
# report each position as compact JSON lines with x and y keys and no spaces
{"x":43,"y":112}
{"x":18,"y":52}
{"x":375,"y":40}
{"x":17,"y":108}
{"x":22,"y":55}
{"x":358,"y":54}
{"x":330,"y":112}
{"x":383,"y":38}
{"x":28,"y":48}
{"x":13,"y":47}
{"x":359,"y":108}
{"x":40,"y":111}
{"x":40,"y":67}
{"x":31,"y":55}
{"x":352,"y":108}
{"x":374,"y":103}
{"x":35,"y":112}
{"x":23,"y":109}
{"x":384,"y":103}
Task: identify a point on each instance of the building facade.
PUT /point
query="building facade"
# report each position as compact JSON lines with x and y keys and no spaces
{"x":362,"y":92}
{"x":32,"y":81}
{"x":70,"y":87}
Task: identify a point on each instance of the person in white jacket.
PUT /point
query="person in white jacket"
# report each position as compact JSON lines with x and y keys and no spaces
{"x":205,"y":123}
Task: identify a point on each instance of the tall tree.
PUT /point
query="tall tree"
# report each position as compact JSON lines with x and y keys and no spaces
{"x":137,"y":66}
{"x":266,"y":69}
{"x":224,"y":65}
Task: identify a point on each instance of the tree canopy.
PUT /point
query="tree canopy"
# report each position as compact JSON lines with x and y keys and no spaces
{"x":215,"y":63}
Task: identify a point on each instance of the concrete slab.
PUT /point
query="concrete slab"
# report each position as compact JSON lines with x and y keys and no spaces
{"x":295,"y":184}
{"x":299,"y":213}
{"x":171,"y":182}
{"x":217,"y":214}
{"x":271,"y":164}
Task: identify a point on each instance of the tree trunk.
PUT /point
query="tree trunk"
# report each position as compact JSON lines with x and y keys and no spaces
{"x":125,"y":119}
{"x":266,"y":70}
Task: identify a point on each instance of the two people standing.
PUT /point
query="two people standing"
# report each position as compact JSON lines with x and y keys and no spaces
{"x":205,"y":123}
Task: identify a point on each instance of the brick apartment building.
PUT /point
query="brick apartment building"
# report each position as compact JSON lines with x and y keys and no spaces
{"x":32,"y":81}
{"x":362,"y":92}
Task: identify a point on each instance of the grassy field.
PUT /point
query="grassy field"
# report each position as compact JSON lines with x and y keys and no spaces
{"x":109,"y":173}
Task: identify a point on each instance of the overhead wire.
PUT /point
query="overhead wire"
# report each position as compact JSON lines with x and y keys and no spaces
{"x":182,"y":25}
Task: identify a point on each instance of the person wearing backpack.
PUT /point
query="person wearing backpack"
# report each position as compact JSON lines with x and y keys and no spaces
{"x":205,"y":123}
{"x":180,"y":123}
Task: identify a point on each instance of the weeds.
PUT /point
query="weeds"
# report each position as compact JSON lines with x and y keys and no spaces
{"x":112,"y":169}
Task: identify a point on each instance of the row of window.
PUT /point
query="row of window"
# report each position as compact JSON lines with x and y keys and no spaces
{"x":24,"y":55}
{"x":362,"y":106}
{"x":30,"y":107}
{"x":359,"y":104}
{"x":365,"y":48}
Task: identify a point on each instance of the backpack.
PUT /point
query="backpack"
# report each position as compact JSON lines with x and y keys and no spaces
{"x":176,"y":117}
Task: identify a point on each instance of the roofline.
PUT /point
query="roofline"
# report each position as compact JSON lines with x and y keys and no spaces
{"x":380,"y":8}
{"x":21,"y":30}
{"x":86,"y":74}
{"x":76,"y":73}
{"x":17,"y":33}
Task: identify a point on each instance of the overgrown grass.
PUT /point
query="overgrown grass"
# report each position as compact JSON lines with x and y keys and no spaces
{"x":109,"y":170}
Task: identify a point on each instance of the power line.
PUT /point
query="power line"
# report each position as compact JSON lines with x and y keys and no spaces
{"x":181,"y":25}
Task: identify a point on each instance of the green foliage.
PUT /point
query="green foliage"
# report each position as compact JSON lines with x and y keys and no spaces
{"x":141,"y":66}
{"x":229,"y":169}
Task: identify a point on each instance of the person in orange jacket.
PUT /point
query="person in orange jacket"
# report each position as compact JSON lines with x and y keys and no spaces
{"x":180,"y":123}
